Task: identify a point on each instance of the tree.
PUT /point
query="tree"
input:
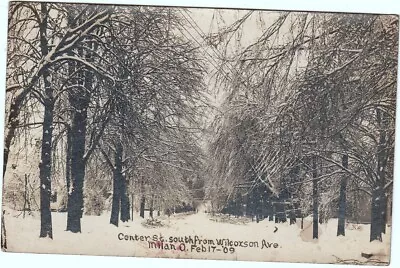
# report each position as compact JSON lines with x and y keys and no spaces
{"x":38,"y":82}
{"x":157,"y":102}
{"x":45,"y":160}
{"x":313,"y":95}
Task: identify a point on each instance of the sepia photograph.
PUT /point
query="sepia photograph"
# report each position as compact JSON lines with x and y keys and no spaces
{"x":199,"y":133}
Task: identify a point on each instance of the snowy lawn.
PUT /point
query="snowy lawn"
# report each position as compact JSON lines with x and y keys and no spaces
{"x":197,"y":236}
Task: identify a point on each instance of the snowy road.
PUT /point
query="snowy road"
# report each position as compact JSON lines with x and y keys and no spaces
{"x":196,"y":236}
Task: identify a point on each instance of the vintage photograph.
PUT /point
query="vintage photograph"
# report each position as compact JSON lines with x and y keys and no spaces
{"x":199,"y":133}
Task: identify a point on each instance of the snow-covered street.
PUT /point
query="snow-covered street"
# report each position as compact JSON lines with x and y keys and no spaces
{"x":266,"y":241}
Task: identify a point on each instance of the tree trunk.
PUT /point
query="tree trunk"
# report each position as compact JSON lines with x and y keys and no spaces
{"x":117,"y":185}
{"x":376,"y":218}
{"x":115,"y":207}
{"x":68,"y":161}
{"x":132,"y":207}
{"x":25,"y":194}
{"x":315,"y":197}
{"x":142,"y":206}
{"x":152,"y":206}
{"x":292,"y":215}
{"x":142,"y":199}
{"x":270,"y":210}
{"x":47,"y":134}
{"x":384,"y":208}
{"x":377,"y":210}
{"x":123,"y":183}
{"x":342,"y":199}
{"x":280,"y":215}
{"x":295,"y":177}
{"x":80,"y":102}
{"x":3,"y":232}
{"x":378,"y":193}
{"x":67,"y":168}
{"x":45,"y":168}
{"x":258,"y":203}
{"x":125,"y":205}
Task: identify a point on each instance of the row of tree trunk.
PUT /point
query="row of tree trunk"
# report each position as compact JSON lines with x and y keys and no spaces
{"x":262,"y":204}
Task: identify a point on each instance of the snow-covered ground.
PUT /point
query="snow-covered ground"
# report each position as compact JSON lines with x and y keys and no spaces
{"x":266,"y":241}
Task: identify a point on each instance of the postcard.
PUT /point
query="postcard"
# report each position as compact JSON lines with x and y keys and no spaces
{"x":199,"y":133}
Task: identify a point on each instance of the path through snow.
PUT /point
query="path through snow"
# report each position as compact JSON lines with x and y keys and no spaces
{"x":251,"y":241}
